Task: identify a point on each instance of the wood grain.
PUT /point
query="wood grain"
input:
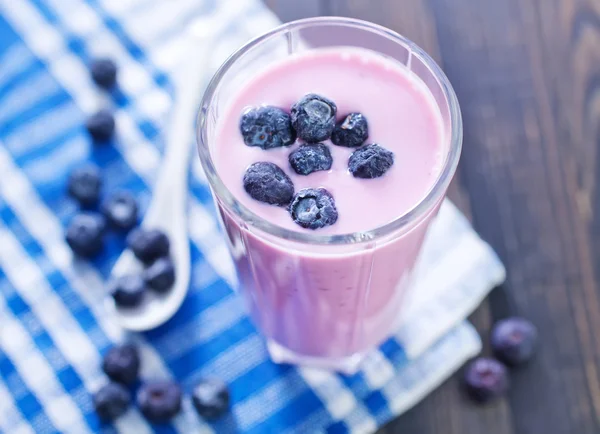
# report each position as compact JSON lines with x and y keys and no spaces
{"x":527,"y":74}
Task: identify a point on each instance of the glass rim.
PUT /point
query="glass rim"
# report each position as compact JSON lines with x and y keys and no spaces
{"x":404,"y":221}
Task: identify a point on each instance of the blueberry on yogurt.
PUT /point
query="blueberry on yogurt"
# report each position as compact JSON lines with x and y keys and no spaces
{"x":352,"y":131}
{"x":267,"y":127}
{"x":314,"y":208}
{"x":313,"y":118}
{"x":311,"y":158}
{"x":371,"y":161}
{"x":266,"y":182}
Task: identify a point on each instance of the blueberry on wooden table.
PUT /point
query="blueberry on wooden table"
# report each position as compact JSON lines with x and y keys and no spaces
{"x":111,"y":401}
{"x":266,"y":182}
{"x":84,"y":185}
{"x":85,"y":234}
{"x":148,"y":244}
{"x":267,"y":127}
{"x":486,"y":379}
{"x":122,"y":363}
{"x":160,"y":275}
{"x":310,"y":158}
{"x":514,"y":340}
{"x":121,"y":211}
{"x":351,"y":132}
{"x":104,"y":72}
{"x":159,"y":401}
{"x":128,"y":291}
{"x":101,"y":125}
{"x":313,"y":118}
{"x":210,"y":398}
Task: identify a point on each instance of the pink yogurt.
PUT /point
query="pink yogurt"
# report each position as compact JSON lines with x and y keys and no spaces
{"x":321,"y":301}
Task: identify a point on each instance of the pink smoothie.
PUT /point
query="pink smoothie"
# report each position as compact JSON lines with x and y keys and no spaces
{"x":320,"y":301}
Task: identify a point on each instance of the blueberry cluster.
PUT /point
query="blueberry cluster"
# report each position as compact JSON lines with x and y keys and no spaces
{"x":513,"y":342}
{"x":85,"y":232}
{"x":151,"y":247}
{"x":158,"y":400}
{"x":101,"y":125}
{"x":119,"y":211}
{"x":313,"y":120}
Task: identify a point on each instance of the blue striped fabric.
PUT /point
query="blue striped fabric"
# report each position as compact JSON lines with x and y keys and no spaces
{"x":53,"y":329}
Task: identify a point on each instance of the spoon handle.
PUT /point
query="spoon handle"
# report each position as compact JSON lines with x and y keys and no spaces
{"x":171,"y":185}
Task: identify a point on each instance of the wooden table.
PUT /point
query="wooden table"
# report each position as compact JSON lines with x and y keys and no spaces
{"x":527,"y":74}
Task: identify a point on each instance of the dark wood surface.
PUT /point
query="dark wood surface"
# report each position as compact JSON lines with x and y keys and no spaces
{"x":527,"y":74}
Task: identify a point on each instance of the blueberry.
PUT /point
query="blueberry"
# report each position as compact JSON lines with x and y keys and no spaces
{"x":159,"y":401}
{"x":85,"y":234}
{"x":370,"y":161}
{"x":210,"y":398}
{"x":267,"y":127}
{"x":84,"y":185}
{"x":104,"y":72}
{"x":148,"y":244}
{"x":486,"y":379}
{"x":160,"y":276}
{"x":101,"y":126}
{"x":128,"y":291}
{"x":313,"y":208}
{"x":513,"y":340}
{"x":352,"y":131}
{"x":111,"y":401}
{"x":313,"y":117}
{"x":266,"y":182}
{"x":311,"y":158}
{"x":121,"y":210}
{"x":122,"y":363}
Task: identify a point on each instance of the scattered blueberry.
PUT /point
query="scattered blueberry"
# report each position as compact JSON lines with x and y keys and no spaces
{"x":352,"y":131}
{"x":121,"y":210}
{"x":159,"y":401}
{"x":486,"y":379}
{"x":513,"y":340}
{"x":148,"y":244}
{"x":267,"y":127}
{"x":313,"y":117}
{"x":314,"y":208}
{"x":311,"y":158}
{"x":370,"y":161}
{"x":128,"y":291}
{"x":84,"y":185}
{"x":101,"y":126}
{"x":104,"y":72}
{"x":111,"y":401}
{"x":122,"y":363}
{"x":84,"y":234}
{"x":266,"y":182}
{"x":160,"y":276}
{"x":211,"y":398}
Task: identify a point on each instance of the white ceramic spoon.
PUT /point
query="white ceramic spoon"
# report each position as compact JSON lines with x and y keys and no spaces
{"x":167,"y":210}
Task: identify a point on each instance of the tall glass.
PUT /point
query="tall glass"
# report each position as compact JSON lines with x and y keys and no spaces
{"x":324,"y":300}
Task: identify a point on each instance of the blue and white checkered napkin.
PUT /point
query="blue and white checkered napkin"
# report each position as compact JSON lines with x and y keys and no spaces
{"x":53,"y":329}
